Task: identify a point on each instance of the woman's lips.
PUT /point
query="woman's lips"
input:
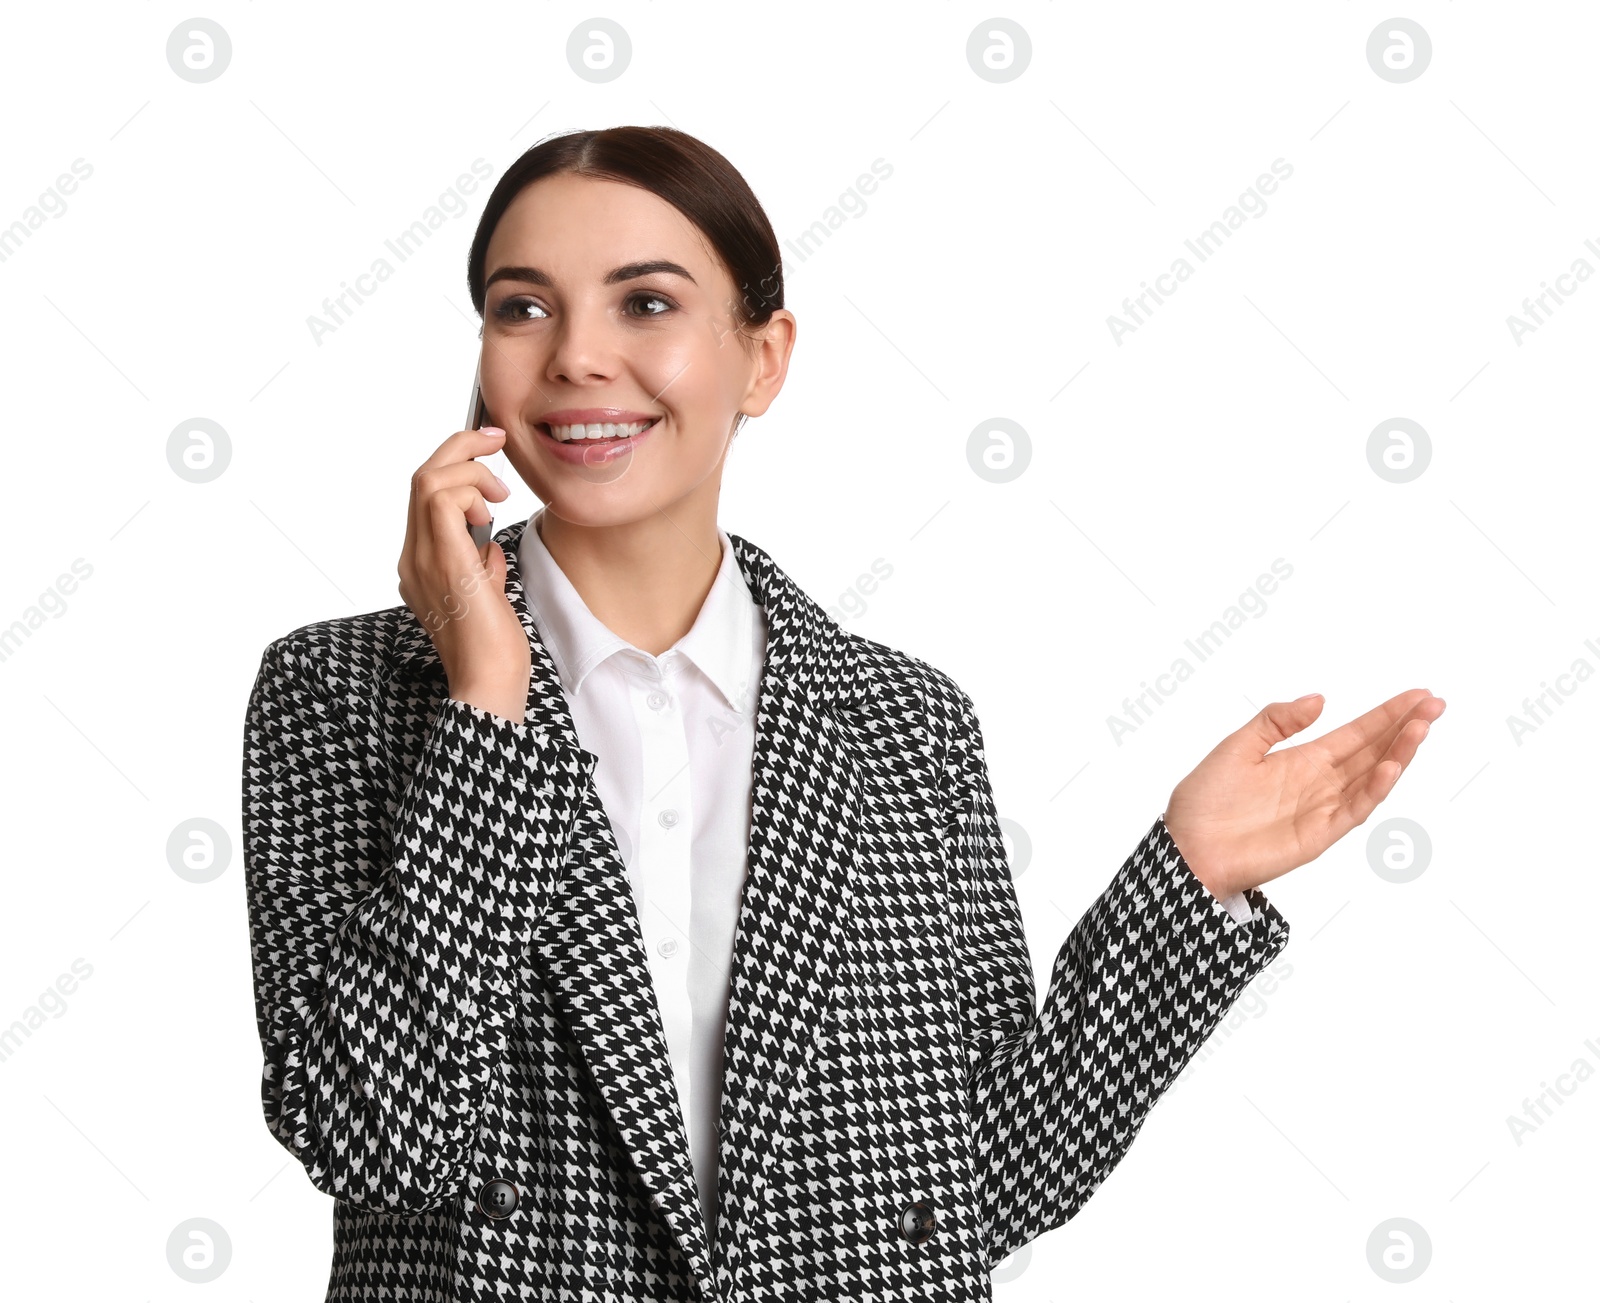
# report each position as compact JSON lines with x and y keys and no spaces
{"x":591,"y":452}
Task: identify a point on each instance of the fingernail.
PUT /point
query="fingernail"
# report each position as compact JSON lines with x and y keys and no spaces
{"x":494,"y":431}
{"x":1307,"y":697}
{"x":502,"y":483}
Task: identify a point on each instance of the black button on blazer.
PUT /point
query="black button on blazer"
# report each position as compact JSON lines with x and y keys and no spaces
{"x":463,"y":1047}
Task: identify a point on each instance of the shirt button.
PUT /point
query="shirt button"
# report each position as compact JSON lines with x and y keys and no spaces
{"x":916,"y":1221}
{"x":668,"y":818}
{"x":657,"y":700}
{"x":497,"y":1199}
{"x":669,"y":947}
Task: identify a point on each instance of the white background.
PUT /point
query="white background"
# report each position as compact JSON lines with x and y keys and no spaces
{"x":1375,"y":1080}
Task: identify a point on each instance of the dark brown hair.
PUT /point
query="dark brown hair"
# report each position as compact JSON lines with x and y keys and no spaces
{"x":685,"y":171}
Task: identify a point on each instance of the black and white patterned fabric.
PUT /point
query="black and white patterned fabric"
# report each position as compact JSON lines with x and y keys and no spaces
{"x":463,"y":1047}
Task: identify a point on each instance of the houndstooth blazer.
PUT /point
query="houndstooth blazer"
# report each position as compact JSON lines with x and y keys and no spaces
{"x":463,"y":1047}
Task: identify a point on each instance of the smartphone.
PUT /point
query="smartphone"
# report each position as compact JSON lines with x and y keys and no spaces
{"x":477,"y":414}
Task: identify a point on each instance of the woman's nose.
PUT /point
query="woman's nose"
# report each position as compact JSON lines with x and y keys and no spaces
{"x":583,"y":346}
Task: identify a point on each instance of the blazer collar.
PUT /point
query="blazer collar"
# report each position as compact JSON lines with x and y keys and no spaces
{"x":804,"y":831}
{"x":718,"y":643}
{"x":804,"y":645}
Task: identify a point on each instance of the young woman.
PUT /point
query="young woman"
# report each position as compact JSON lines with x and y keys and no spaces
{"x":623,"y":927}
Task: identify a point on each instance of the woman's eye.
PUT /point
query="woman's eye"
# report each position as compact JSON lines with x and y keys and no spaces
{"x":512,"y":310}
{"x":521,"y":309}
{"x":654,"y":298}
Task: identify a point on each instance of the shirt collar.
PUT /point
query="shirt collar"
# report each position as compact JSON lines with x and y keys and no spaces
{"x":719,"y":641}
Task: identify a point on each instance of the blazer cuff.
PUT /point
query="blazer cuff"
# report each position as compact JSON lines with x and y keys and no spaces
{"x":1245,"y":911}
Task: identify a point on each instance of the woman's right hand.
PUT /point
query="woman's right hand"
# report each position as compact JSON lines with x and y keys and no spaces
{"x":458,"y":592}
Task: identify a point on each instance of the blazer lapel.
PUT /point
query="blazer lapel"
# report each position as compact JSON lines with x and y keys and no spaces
{"x":804,"y":823}
{"x":591,"y":949}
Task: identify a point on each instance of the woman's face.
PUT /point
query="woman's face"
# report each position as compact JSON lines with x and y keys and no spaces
{"x":585,"y":322}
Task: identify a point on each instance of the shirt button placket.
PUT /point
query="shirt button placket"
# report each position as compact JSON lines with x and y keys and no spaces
{"x":664,"y":856}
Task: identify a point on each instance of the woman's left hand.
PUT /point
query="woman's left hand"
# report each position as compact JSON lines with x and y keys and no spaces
{"x":1244,"y":817}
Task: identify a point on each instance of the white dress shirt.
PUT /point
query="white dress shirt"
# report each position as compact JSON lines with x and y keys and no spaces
{"x":675,"y":734}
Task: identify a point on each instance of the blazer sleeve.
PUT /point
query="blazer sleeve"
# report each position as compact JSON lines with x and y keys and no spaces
{"x":380,"y":931}
{"x":1057,"y":1093}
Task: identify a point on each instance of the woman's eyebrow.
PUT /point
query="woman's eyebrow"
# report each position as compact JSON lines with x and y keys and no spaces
{"x":626,"y":272}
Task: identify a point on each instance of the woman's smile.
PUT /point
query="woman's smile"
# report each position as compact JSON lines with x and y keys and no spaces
{"x":593,"y":439}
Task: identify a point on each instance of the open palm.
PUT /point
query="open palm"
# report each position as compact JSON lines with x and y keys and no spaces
{"x":1244,"y":817}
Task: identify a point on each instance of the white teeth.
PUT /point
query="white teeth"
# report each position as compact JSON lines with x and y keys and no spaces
{"x":602,"y":430}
